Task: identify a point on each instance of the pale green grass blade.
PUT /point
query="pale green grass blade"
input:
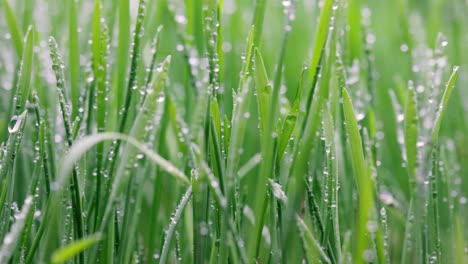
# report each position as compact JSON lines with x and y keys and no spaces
{"x":15,"y":32}
{"x":411,"y":137}
{"x":364,"y":182}
{"x":67,"y":252}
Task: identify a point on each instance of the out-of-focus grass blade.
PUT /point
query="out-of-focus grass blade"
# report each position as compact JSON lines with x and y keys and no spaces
{"x":123,"y":49}
{"x":13,"y":27}
{"x":74,"y":58}
{"x":24,"y":82}
{"x":411,"y":137}
{"x":313,"y":249}
{"x":69,"y":251}
{"x":364,"y":182}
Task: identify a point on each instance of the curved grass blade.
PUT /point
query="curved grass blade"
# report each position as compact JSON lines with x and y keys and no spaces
{"x":67,"y":252}
{"x":85,"y":144}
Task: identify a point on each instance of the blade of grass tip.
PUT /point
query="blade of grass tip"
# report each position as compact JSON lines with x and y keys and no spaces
{"x":239,"y":122}
{"x":312,"y":248}
{"x":411,"y":138}
{"x":10,"y":241}
{"x":175,"y":218}
{"x":364,"y":182}
{"x":441,"y":111}
{"x":13,"y":27}
{"x":74,"y":57}
{"x":69,"y":251}
{"x":58,"y":66}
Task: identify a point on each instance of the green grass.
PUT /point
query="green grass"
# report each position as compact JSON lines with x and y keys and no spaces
{"x":235,"y":131}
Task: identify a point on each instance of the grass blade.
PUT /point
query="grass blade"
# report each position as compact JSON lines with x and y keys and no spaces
{"x":364,"y":182}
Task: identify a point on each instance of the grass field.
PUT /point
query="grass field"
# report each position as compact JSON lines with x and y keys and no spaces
{"x":233,"y":131}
